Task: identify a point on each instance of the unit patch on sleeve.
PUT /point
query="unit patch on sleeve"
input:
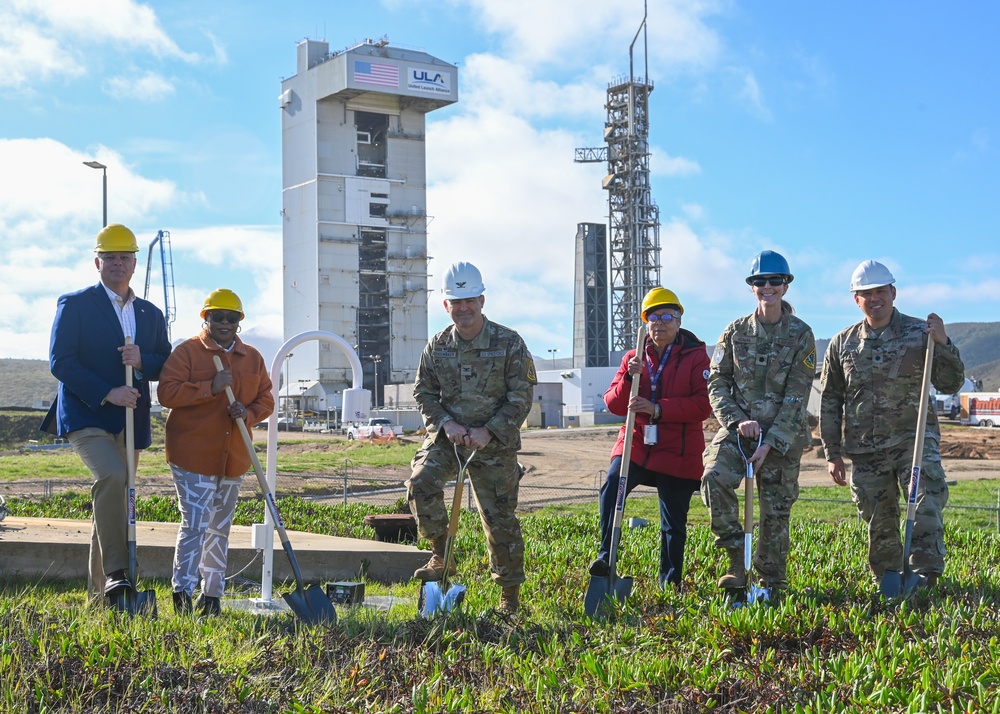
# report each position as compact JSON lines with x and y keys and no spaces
{"x":810,"y":360}
{"x":720,"y":352}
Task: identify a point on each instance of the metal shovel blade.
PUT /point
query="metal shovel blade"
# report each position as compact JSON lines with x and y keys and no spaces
{"x":891,"y":585}
{"x":135,"y":603}
{"x":311,"y":605}
{"x":436,"y":600}
{"x":912,"y":581}
{"x":602,"y":590}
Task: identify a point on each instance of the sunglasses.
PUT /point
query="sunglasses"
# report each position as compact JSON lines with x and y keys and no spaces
{"x":233,"y":318}
{"x":666,"y":318}
{"x":774,"y":282}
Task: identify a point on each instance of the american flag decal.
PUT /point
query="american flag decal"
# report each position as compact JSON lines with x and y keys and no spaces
{"x":380,"y":75}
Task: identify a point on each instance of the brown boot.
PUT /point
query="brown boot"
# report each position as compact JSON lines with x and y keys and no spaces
{"x":434,"y":570}
{"x":510,"y":598}
{"x":736,"y":575}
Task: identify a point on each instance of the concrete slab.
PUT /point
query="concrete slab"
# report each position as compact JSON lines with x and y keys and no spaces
{"x":58,"y":549}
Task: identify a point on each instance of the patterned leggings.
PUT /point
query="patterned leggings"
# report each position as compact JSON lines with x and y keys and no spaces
{"x":207,"y":504}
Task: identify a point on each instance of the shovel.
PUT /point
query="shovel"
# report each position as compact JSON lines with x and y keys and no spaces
{"x":602,"y":589}
{"x":753,"y":593}
{"x":442,"y":596}
{"x":312,"y":606}
{"x":893,"y":584}
{"x":129,"y":599}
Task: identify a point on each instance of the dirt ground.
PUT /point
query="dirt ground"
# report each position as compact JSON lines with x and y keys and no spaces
{"x":579,"y":458}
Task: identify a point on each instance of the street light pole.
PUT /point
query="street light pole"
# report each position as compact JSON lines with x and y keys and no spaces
{"x":288,"y":392}
{"x":553,"y":355}
{"x":375,"y":360}
{"x":102,"y":167}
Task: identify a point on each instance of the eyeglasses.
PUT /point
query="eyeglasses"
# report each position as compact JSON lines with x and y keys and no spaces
{"x":666,"y":318}
{"x":233,"y":318}
{"x":773,"y":281}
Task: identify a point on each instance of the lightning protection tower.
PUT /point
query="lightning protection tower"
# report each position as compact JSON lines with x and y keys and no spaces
{"x":633,"y":216}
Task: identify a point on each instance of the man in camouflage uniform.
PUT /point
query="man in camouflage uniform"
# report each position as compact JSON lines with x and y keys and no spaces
{"x":762,"y":370}
{"x":474,"y":389}
{"x":873,"y":373}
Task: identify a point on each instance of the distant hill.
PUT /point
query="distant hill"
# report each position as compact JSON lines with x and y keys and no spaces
{"x":979,"y":343}
{"x":23,"y":382}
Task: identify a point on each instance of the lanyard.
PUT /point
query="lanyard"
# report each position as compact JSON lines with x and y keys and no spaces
{"x":655,"y":380}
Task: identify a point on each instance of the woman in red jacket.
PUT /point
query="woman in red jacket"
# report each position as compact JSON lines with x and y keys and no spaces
{"x":668,"y":441}
{"x":204,"y":448}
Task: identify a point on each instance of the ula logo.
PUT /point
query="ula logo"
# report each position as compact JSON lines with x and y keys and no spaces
{"x":421,"y":75}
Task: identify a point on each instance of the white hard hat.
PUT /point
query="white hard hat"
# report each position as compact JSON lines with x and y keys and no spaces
{"x":870,"y":274}
{"x":462,"y":280}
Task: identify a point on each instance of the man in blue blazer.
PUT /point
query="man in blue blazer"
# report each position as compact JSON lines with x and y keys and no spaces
{"x":88,"y":355}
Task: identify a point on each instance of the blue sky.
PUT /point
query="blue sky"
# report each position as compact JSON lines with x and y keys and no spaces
{"x":831,"y":132}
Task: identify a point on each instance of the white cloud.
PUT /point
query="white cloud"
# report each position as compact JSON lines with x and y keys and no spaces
{"x":147,"y":87}
{"x":748,"y":92}
{"x":49,"y":217}
{"x":41,"y":40}
{"x":559,"y":32}
{"x":662,"y":163}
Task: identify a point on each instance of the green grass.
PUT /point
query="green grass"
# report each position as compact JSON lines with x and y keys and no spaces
{"x":64,"y":463}
{"x":828,"y":646}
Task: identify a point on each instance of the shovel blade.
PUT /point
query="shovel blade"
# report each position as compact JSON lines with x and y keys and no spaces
{"x":604,"y":590}
{"x":435,"y":600}
{"x":597,"y":594}
{"x":912,"y":581}
{"x":135,"y":603}
{"x":312,"y":606}
{"x":891,"y":585}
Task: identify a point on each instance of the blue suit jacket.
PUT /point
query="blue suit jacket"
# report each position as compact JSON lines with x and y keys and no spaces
{"x":84,"y":357}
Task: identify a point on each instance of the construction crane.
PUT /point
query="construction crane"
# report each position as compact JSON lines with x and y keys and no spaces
{"x":634,"y":217}
{"x":167,"y":269}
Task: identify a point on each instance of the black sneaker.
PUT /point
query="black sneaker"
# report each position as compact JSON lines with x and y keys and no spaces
{"x":182,"y":603}
{"x":600,"y":568}
{"x":117,"y":581}
{"x":209,"y":606}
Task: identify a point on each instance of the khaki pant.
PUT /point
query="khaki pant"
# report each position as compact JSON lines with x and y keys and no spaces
{"x":104,"y":454}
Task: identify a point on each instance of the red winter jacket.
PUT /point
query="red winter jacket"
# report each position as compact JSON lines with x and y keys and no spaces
{"x":682,"y":394}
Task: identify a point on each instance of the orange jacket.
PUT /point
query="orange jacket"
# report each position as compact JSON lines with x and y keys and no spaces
{"x":201,"y":436}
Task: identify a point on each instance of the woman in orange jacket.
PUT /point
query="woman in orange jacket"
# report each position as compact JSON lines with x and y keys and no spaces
{"x":204,"y":448}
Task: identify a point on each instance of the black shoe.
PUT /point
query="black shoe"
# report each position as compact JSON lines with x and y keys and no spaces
{"x":209,"y":606}
{"x":117,"y":581}
{"x":600,"y":568}
{"x":182,"y":603}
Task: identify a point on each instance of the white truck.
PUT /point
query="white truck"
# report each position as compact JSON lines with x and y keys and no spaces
{"x":375,"y":428}
{"x":980,"y":409}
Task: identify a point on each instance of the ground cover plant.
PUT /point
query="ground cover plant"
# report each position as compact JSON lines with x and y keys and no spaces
{"x":827,"y":646}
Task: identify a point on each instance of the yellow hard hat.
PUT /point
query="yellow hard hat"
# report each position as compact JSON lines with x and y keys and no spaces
{"x":660,"y":297}
{"x":116,"y":238}
{"x":222,"y":299}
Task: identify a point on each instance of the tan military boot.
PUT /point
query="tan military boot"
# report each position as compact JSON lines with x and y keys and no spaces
{"x":736,"y":575}
{"x":510,"y":598}
{"x":434,"y":570}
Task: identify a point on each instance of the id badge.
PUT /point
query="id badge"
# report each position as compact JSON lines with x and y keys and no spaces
{"x":649,"y":434}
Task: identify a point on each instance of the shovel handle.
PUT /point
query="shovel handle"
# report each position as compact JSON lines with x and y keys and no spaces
{"x":130,"y":474}
{"x":262,"y":481}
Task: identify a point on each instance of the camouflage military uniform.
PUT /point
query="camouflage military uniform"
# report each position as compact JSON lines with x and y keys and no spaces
{"x":876,"y":380}
{"x":761,"y":373}
{"x":485,"y":382}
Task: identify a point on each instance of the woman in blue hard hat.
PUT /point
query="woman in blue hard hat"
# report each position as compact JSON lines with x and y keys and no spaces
{"x":762,"y":370}
{"x":205,"y":451}
{"x":668,"y":439}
